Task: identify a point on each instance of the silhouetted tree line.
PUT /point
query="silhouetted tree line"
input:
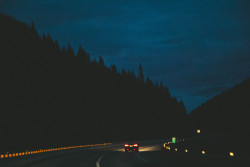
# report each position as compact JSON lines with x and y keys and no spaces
{"x":51,"y":96}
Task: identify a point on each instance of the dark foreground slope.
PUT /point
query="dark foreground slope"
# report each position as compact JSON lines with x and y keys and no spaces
{"x":52,"y":97}
{"x":224,"y":122}
{"x":228,"y":112}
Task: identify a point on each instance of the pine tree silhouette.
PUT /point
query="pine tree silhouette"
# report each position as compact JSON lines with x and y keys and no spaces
{"x":83,"y":56}
{"x":140,"y":75}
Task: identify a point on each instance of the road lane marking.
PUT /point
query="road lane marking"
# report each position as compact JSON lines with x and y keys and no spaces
{"x":98,"y":161}
{"x":142,"y":159}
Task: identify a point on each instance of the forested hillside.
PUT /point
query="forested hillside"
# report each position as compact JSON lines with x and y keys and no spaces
{"x":51,"y":96}
{"x":227,"y":112}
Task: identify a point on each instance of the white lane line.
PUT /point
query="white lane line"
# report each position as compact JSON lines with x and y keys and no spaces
{"x":142,"y":159}
{"x":98,"y":161}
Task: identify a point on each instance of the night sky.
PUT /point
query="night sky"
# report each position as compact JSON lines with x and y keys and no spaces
{"x":197,"y":48}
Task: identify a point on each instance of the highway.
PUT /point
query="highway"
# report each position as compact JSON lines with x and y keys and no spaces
{"x":150,"y":155}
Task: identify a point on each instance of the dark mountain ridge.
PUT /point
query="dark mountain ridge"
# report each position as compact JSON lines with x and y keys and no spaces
{"x":227,"y":112}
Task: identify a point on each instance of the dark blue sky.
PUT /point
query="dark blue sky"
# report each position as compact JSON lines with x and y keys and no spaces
{"x":197,"y":48}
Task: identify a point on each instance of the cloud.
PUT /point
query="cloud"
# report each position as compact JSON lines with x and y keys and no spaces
{"x":210,"y":91}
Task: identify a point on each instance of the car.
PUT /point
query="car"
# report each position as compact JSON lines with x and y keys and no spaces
{"x":131,"y":147}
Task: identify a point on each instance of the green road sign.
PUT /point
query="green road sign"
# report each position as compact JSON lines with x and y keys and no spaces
{"x":173,"y":139}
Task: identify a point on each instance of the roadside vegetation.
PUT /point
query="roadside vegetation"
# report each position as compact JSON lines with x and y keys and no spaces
{"x":52,"y":96}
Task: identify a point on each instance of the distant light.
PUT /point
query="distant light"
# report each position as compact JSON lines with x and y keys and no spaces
{"x":168,"y":147}
{"x":203,"y":152}
{"x":198,"y":131}
{"x":175,"y":149}
{"x":135,"y":145}
{"x":231,"y":154}
{"x":186,"y":150}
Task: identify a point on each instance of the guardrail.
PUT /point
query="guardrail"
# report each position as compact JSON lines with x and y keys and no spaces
{"x":27,"y":153}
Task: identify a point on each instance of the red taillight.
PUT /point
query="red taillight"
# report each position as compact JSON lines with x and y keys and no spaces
{"x":126,"y":145}
{"x":135,"y":145}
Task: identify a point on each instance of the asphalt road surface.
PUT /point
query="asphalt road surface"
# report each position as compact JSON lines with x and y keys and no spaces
{"x":150,"y":155}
